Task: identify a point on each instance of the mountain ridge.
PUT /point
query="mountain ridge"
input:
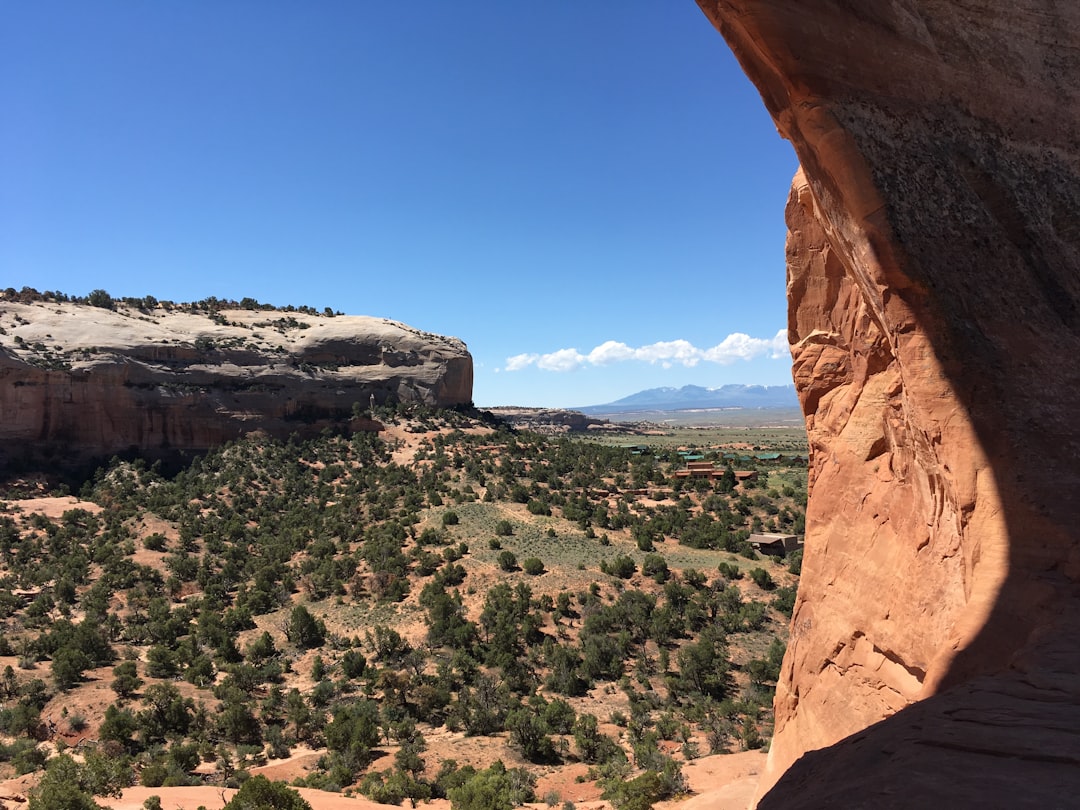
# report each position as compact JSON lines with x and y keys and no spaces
{"x":689,"y":397}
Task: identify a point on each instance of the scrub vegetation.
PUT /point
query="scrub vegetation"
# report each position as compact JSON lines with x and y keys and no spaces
{"x":381,"y":600}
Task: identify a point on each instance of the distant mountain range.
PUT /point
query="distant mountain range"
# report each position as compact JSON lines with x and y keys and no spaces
{"x":694,"y":397}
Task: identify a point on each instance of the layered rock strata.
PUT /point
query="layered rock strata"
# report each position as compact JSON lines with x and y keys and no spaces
{"x":934,"y":317}
{"x":79,"y":381}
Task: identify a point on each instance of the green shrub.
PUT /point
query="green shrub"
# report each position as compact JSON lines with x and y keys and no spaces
{"x":155,"y":542}
{"x":785,"y":600}
{"x":795,"y":562}
{"x":622,"y":567}
{"x":62,"y":788}
{"x":304,"y":630}
{"x":538,"y":507}
{"x":507,"y":561}
{"x":100,"y":298}
{"x":494,"y":789}
{"x":729,"y":571}
{"x":259,"y":793}
{"x":762,"y":579}
{"x":533,"y":566}
{"x":656,"y":567}
{"x":353,"y":664}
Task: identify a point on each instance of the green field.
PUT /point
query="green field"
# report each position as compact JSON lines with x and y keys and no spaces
{"x":712,"y":417}
{"x":767,"y":439}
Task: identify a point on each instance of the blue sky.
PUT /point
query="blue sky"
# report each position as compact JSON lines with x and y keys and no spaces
{"x":590,"y":195}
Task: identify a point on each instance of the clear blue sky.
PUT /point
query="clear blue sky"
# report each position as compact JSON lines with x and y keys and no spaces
{"x":589,"y":194}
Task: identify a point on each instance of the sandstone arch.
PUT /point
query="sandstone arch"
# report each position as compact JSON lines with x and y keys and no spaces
{"x":934,"y":316}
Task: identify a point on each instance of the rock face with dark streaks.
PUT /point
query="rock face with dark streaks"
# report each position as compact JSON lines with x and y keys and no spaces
{"x":934,"y":318}
{"x":78,"y":381}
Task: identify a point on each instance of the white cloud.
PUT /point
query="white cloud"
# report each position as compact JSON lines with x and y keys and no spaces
{"x":736,"y":346}
{"x":610,"y":351}
{"x":781,"y":349}
{"x":520,"y":361}
{"x":670,"y":352}
{"x":562,"y":360}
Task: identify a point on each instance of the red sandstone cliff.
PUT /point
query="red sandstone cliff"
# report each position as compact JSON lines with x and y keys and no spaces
{"x":78,"y":381}
{"x":934,"y":317}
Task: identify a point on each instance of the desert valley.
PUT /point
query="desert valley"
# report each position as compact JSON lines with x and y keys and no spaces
{"x":260,"y":557}
{"x":408,"y":603}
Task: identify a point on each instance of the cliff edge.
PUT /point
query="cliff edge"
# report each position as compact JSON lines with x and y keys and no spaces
{"x":79,"y":381}
{"x":934,"y":319}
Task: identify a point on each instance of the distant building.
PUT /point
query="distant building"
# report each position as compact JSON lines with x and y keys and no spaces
{"x":775,"y":545}
{"x":707,"y":469}
{"x":698,"y":469}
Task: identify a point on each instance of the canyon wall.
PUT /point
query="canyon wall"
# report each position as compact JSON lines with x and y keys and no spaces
{"x":934,"y":318}
{"x":78,"y":381}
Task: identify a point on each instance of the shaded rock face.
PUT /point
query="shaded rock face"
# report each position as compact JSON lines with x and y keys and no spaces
{"x":934,"y":317}
{"x":78,"y":381}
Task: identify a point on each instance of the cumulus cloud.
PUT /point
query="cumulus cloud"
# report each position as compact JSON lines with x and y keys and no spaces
{"x":736,"y":346}
{"x":610,"y":351}
{"x":781,"y":349}
{"x":562,"y":360}
{"x":670,"y":352}
{"x":520,"y":361}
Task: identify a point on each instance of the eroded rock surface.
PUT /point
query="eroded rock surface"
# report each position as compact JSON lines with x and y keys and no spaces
{"x":556,"y":421}
{"x":934,"y":317}
{"x":79,"y":381}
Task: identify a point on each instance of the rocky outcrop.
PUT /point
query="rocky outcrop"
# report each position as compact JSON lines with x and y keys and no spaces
{"x":78,"y":381}
{"x":934,"y":317}
{"x":550,"y":421}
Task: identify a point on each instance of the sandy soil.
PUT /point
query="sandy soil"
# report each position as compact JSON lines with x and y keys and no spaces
{"x":408,"y":442}
{"x":562,"y":782}
{"x":214,"y":798}
{"x":299,"y":763}
{"x":53,"y":508}
{"x":721,"y":782}
{"x":13,"y":791}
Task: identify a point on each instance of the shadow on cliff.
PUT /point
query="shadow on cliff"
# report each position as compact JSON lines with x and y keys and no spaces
{"x":36,"y":471}
{"x":1001,"y":724}
{"x":1009,"y":737}
{"x":995,"y":741}
{"x":37,"y":467}
{"x":1002,"y":727}
{"x":943,"y":141}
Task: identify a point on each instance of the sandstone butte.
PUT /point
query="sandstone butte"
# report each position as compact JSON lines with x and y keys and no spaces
{"x":934,"y":322}
{"x":78,"y":381}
